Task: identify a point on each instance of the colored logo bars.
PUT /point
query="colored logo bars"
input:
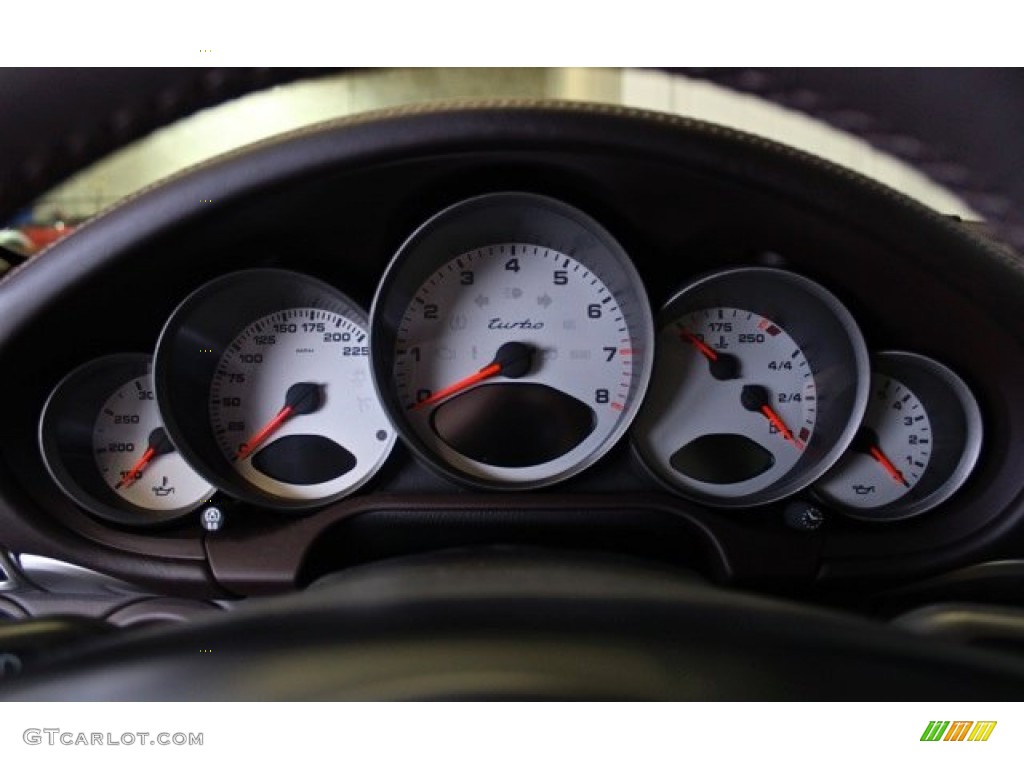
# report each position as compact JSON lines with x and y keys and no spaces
{"x":958,"y":730}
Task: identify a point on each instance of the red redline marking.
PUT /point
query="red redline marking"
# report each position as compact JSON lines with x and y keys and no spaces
{"x":617,"y":406}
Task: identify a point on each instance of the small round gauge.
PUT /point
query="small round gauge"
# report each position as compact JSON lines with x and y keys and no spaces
{"x":104,"y":444}
{"x":511,"y":341}
{"x":263,"y":379}
{"x":919,"y":441}
{"x":760,"y":381}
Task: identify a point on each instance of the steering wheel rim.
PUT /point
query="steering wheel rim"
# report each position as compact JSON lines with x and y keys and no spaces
{"x":964,"y":128}
{"x":505,"y":623}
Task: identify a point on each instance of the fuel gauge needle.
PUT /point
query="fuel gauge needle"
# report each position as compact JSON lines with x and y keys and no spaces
{"x":302,"y":398}
{"x":159,"y":444}
{"x":512,"y":360}
{"x":755,"y":398}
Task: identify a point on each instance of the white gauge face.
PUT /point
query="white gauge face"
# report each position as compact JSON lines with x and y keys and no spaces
{"x":740,"y":408}
{"x":134,"y":456}
{"x":293,"y":409}
{"x":890,"y":453}
{"x":515,"y":364}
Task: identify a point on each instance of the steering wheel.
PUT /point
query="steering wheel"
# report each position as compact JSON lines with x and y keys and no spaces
{"x":522,"y":623}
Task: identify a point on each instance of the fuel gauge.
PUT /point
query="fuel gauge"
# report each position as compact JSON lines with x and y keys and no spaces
{"x":760,"y":381}
{"x":919,"y":440}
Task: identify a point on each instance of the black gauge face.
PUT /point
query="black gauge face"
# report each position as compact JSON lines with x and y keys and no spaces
{"x":273,"y":400}
{"x":920,"y":439}
{"x":511,"y":341}
{"x":760,"y":380}
{"x":105,"y":445}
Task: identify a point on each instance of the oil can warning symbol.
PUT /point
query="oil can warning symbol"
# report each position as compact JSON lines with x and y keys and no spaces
{"x":163,"y":489}
{"x":863,"y":490}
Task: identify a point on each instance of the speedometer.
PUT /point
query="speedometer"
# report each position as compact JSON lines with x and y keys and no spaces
{"x":280,"y":368}
{"x":272,"y":400}
{"x":511,"y":341}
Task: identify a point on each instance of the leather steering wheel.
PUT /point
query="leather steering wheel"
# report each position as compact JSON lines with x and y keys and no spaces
{"x":962,"y":127}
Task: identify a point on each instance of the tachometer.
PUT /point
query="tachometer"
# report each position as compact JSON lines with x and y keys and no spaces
{"x":263,"y":379}
{"x":511,"y":341}
{"x":760,"y":382}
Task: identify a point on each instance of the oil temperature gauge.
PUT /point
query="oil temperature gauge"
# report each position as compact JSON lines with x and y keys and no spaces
{"x":105,"y":446}
{"x":919,"y":441}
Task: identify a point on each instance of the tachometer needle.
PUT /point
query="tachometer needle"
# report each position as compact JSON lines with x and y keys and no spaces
{"x":512,"y":360}
{"x":159,"y":444}
{"x":866,"y":441}
{"x":722,"y":365}
{"x":302,"y":398}
{"x":755,"y":398}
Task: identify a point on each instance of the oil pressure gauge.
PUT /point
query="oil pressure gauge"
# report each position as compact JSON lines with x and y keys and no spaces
{"x":919,"y":441}
{"x":760,"y":381}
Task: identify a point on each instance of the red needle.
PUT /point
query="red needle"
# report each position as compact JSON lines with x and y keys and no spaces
{"x":888,"y":466}
{"x":302,"y":398}
{"x":159,"y":444}
{"x":271,"y":426}
{"x":136,"y":471}
{"x":513,"y":359}
{"x":484,"y":373}
{"x":705,"y":350}
{"x":780,"y":425}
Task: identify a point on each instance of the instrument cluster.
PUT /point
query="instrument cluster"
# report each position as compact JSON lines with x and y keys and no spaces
{"x":510,"y":346}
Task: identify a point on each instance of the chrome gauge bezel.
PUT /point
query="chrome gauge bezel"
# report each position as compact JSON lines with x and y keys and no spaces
{"x":826,"y":333}
{"x":957,"y":435}
{"x":191,"y":346}
{"x":66,"y":440}
{"x":489,"y":220}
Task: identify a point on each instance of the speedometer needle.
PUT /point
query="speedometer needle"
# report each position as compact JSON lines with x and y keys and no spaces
{"x":867,"y":442}
{"x":304,"y":397}
{"x":755,"y":398}
{"x":512,"y":360}
{"x":159,"y":444}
